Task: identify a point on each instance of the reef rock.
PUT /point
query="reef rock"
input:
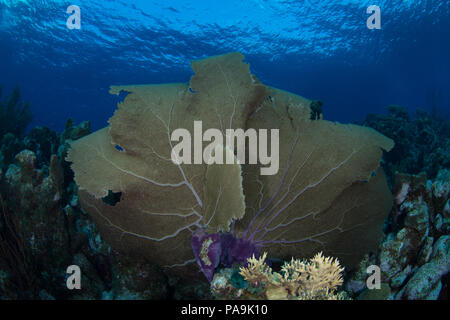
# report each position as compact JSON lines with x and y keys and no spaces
{"x":424,"y":283}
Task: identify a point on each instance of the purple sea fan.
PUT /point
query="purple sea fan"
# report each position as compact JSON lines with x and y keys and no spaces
{"x":325,"y":196}
{"x":212,"y":250}
{"x":208,"y":251}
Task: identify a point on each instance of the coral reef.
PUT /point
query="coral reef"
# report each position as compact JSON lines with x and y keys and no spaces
{"x":422,"y":143}
{"x":42,"y":141}
{"x":414,"y":256}
{"x":329,"y":193}
{"x":35,"y":225}
{"x":15,"y":115}
{"x":316,"y":110}
{"x":44,"y":229}
{"x":315,"y":279}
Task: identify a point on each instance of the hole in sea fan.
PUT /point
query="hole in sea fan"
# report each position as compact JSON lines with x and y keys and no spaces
{"x":119,"y":148}
{"x":112,"y":198}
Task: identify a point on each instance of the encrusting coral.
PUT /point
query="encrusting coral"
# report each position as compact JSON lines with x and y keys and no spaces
{"x":414,"y":256}
{"x":329,"y":193}
{"x":315,"y":279}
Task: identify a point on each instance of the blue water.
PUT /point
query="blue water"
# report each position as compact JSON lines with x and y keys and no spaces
{"x":318,"y":49}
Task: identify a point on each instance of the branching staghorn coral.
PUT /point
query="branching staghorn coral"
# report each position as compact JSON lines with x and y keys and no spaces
{"x":316,"y":279}
{"x":329,"y":193}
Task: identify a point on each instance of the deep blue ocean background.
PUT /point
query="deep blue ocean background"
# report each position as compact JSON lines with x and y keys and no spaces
{"x":317,"y":49}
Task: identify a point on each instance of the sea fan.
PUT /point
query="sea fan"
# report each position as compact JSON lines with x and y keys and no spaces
{"x":329,"y":193}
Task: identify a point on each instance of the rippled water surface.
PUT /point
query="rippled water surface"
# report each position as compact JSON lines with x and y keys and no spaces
{"x":318,"y":49}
